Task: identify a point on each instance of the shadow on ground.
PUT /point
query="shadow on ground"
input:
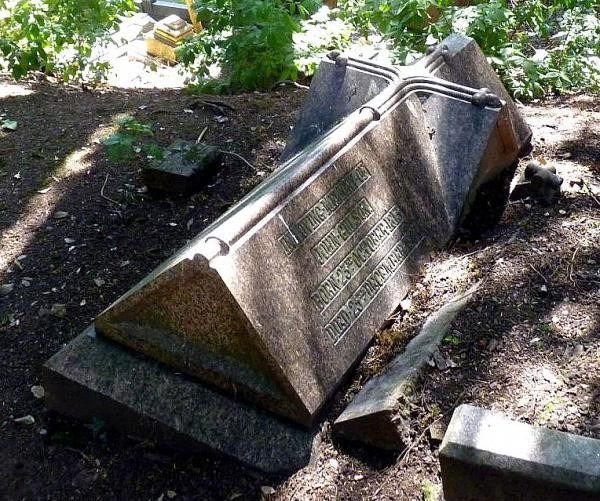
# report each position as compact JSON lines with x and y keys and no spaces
{"x":78,"y":230}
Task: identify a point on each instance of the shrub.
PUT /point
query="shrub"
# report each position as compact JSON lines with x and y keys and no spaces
{"x":537,"y":46}
{"x":257,"y":43}
{"x":56,"y":36}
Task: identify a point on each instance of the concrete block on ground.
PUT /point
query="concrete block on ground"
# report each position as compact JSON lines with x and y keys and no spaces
{"x":486,"y":456}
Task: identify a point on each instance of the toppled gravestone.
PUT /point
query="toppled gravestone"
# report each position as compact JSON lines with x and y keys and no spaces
{"x":268,"y":309}
{"x":486,"y":456}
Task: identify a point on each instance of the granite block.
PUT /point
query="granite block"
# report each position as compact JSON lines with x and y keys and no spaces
{"x":95,"y":377}
{"x":486,"y":456}
{"x":278,"y":299}
{"x":186,"y":167}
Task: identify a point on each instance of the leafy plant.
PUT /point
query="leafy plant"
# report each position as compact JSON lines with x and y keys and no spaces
{"x":126,"y":142}
{"x":257,"y":43}
{"x":56,"y":36}
{"x":452,"y":340}
{"x":537,"y":46}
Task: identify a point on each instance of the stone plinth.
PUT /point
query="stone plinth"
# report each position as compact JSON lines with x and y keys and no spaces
{"x":486,"y":456}
{"x":95,"y":377}
{"x":187,"y":166}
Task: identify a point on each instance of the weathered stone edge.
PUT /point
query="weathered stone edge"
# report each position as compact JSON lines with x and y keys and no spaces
{"x":553,"y":470}
{"x":95,"y":377}
{"x":369,"y":417}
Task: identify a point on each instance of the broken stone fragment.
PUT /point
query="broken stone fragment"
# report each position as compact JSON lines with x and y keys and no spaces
{"x":186,"y":167}
{"x":538,"y":182}
{"x":485,"y":455}
{"x":374,"y":417}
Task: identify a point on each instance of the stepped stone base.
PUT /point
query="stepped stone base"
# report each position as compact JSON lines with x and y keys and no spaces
{"x":93,"y":376}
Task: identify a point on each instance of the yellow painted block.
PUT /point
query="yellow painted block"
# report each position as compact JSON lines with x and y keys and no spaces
{"x":160,"y":49}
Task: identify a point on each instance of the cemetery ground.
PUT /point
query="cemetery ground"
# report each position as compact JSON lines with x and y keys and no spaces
{"x":76,"y":231}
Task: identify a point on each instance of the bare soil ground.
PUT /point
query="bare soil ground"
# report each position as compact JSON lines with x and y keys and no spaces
{"x":77,"y":230}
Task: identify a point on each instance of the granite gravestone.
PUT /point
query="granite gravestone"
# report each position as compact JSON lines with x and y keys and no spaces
{"x":275,"y":302}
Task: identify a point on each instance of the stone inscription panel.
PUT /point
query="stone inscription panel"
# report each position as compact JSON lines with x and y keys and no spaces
{"x":349,"y":277}
{"x":321,"y":211}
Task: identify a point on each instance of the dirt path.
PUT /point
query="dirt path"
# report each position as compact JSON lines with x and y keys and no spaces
{"x":528,"y":345}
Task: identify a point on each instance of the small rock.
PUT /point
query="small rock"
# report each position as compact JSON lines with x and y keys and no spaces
{"x":266,"y":492}
{"x":358,"y":477}
{"x":334,"y":463}
{"x":38,"y":391}
{"x":492,"y":345}
{"x":99,"y":282}
{"x":58,"y":310}
{"x":171,"y":494}
{"x":6,"y":289}
{"x":549,"y":376}
{"x":544,"y":289}
{"x":43,"y":432}
{"x":43,"y":312}
{"x":405,"y":304}
{"x":27,"y":420}
{"x":578,"y":350}
{"x":440,"y":361}
{"x":84,"y":479}
{"x":69,"y":240}
{"x":60,"y":214}
{"x":437,"y":430}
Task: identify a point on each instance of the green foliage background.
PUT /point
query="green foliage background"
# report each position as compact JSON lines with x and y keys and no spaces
{"x":537,"y":46}
{"x":56,"y":36}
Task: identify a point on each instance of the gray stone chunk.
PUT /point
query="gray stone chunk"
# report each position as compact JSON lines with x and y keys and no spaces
{"x":486,"y":456}
{"x":93,"y":376}
{"x":369,"y":418}
{"x":184,"y":169}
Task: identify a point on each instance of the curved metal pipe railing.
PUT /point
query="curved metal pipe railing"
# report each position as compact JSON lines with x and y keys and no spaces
{"x":227,"y":230}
